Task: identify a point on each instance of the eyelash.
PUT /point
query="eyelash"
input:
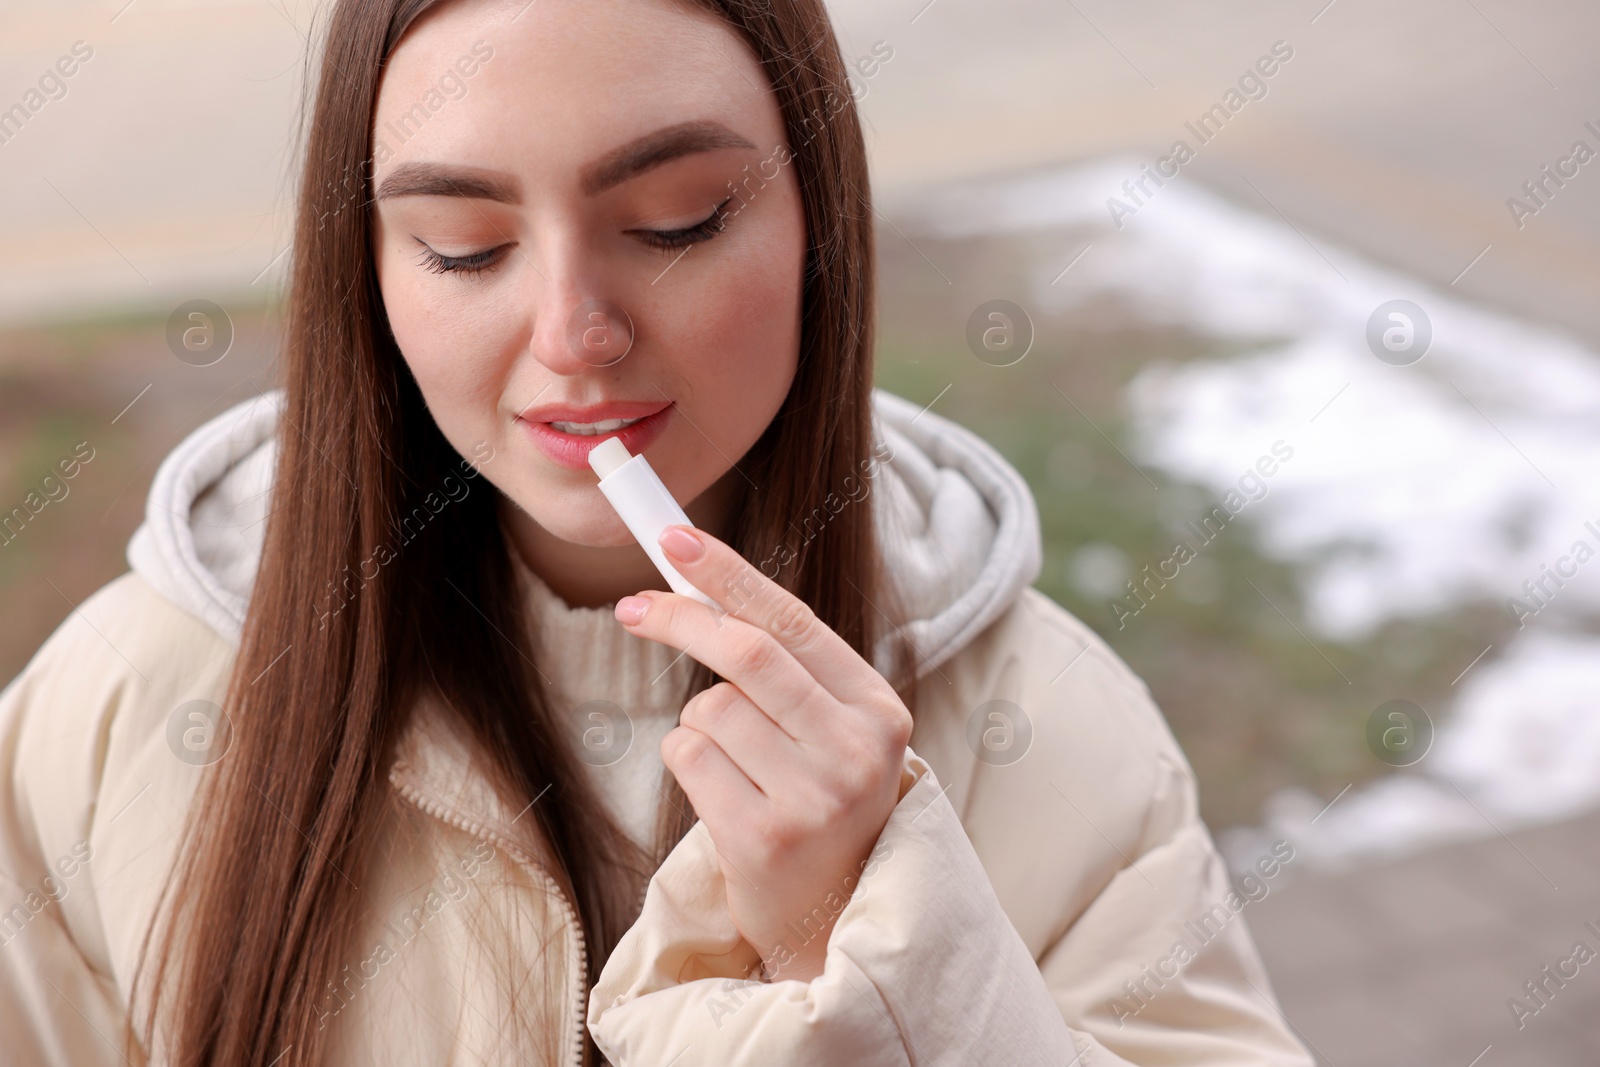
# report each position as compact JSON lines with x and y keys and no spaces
{"x":672,"y":240}
{"x":661,"y":240}
{"x":476,"y":263}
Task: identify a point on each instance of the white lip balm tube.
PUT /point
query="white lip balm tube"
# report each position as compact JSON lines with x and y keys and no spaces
{"x":636,"y":492}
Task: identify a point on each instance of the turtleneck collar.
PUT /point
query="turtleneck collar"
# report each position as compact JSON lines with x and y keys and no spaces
{"x":586,"y":654}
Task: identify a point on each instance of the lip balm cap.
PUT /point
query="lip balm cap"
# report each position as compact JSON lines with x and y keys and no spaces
{"x":608,"y":455}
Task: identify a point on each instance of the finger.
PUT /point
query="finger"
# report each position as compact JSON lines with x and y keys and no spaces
{"x":751,"y":738}
{"x":710,"y":779}
{"x":749,"y":595}
{"x":745,"y":655}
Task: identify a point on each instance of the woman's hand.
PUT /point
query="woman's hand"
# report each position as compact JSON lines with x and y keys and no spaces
{"x":793,"y":763}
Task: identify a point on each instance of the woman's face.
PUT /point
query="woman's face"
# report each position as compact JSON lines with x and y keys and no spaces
{"x":547,"y":173}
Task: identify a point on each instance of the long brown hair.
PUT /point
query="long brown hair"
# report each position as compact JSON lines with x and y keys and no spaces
{"x":259,"y":891}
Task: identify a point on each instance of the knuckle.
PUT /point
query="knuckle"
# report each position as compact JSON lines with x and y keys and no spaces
{"x":860,"y":771}
{"x":856,"y":778}
{"x":900,"y":726}
{"x":741,"y":586}
{"x":776,"y":836}
{"x":710,"y":706}
{"x":686,"y":749}
{"x":792,"y":621}
{"x":757,"y":654}
{"x":831,"y":808}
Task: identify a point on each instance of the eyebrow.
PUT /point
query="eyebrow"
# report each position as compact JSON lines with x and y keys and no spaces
{"x":423,"y":178}
{"x":654,"y":149}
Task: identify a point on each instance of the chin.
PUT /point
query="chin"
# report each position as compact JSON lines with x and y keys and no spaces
{"x":580,"y":517}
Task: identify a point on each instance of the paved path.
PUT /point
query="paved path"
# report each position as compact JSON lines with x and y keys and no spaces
{"x":1411,"y":963}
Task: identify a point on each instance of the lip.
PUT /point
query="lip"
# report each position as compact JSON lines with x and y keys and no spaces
{"x":572,"y":450}
{"x":610,"y":409}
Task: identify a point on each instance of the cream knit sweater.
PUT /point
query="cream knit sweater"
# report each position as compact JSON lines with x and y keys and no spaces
{"x":620,"y":695}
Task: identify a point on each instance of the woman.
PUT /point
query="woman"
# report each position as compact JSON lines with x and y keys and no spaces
{"x":389,"y":749}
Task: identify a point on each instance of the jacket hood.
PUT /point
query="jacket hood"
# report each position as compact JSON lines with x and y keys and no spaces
{"x":958,"y":525}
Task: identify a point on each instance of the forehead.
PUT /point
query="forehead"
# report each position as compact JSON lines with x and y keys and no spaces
{"x":542,"y":89}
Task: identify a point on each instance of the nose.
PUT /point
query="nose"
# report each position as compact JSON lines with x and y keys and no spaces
{"x":577,"y":325}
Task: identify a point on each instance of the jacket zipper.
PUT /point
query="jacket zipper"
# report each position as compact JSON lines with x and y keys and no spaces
{"x":578,"y":976}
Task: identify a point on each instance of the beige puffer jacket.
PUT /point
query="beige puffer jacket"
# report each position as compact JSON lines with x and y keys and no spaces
{"x":1044,"y":892}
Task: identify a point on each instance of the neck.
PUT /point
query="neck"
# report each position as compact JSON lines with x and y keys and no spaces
{"x":586,"y":576}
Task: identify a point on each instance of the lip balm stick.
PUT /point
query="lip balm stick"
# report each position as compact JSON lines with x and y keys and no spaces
{"x":635,"y":491}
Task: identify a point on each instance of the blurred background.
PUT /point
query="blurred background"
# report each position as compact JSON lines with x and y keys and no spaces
{"x":1357,"y":313}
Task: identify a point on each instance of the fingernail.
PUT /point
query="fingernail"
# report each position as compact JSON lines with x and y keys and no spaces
{"x":681,"y":544}
{"x":630,"y":609}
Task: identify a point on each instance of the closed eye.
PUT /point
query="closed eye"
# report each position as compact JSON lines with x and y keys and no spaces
{"x":663,"y":240}
{"x":672,"y":240}
{"x":476,"y":263}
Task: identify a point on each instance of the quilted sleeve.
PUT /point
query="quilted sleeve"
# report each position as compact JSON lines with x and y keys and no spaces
{"x":56,"y":1007}
{"x":923,"y":967}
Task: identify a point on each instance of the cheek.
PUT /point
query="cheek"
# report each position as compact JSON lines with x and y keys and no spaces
{"x":444,"y":335}
{"x":741,"y":334}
